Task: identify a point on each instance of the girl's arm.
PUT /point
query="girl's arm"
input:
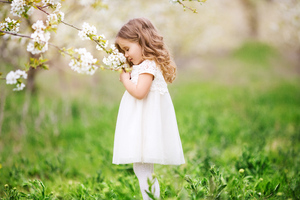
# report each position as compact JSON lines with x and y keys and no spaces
{"x":142,"y":88}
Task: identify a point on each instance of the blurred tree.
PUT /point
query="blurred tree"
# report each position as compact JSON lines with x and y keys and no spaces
{"x":250,"y":10}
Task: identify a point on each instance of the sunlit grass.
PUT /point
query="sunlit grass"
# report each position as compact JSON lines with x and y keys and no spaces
{"x":65,"y":139}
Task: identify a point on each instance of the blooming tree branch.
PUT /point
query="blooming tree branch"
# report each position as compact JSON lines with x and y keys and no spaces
{"x":82,"y":61}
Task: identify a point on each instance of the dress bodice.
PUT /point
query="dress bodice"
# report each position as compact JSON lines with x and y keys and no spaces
{"x":146,"y":129}
{"x":149,"y":66}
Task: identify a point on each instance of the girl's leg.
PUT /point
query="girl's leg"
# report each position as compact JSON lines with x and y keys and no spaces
{"x":143,"y":171}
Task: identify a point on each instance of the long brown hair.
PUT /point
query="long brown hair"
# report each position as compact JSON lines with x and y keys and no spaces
{"x":142,"y":31}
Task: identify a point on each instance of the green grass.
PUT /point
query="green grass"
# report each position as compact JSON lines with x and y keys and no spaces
{"x":241,"y":139}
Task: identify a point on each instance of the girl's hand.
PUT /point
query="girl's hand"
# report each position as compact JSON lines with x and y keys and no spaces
{"x":124,"y":76}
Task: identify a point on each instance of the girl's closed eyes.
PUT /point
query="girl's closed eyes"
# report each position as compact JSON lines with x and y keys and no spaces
{"x":131,"y":50}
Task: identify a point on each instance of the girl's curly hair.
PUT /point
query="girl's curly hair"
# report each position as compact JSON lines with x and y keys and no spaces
{"x":143,"y":32}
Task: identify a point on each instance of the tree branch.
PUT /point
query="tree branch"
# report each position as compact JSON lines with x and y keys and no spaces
{"x":5,"y":2}
{"x":184,"y":6}
{"x":59,"y":49}
{"x":40,"y":8}
{"x":15,"y":34}
{"x":65,"y":23}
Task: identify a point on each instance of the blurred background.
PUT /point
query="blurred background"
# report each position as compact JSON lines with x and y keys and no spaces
{"x":236,"y":96}
{"x":247,"y":29}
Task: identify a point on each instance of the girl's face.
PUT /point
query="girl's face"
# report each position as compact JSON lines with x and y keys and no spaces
{"x":132,"y":50}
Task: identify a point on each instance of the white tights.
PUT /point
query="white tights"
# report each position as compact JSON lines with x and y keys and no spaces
{"x":143,"y":171}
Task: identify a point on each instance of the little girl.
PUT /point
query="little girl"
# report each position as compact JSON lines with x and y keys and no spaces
{"x":146,"y":130}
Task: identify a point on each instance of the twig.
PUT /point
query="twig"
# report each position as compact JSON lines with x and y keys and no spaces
{"x":100,"y":45}
{"x":15,"y":34}
{"x":70,"y":25}
{"x":65,"y":23}
{"x":40,"y":8}
{"x":55,"y":46}
{"x":184,"y":6}
{"x":5,"y":2}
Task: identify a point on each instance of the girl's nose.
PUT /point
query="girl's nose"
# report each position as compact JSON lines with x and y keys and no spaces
{"x":126,"y":55}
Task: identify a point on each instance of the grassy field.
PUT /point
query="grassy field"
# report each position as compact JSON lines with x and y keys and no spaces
{"x":238,"y":116}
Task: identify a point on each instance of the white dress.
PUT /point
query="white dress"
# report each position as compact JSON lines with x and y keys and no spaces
{"x":146,"y":130}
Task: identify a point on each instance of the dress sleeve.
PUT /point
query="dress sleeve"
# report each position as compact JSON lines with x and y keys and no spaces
{"x":148,"y":66}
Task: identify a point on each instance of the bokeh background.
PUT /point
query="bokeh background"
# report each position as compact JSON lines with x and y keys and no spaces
{"x":236,"y":97}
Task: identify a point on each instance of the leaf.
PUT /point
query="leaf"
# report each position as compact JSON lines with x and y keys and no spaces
{"x":219,"y":190}
{"x":268,"y":187}
{"x":212,"y":186}
{"x":46,"y":67}
{"x":248,"y":177}
{"x":204,"y":182}
{"x":277,"y":188}
{"x":188,"y":179}
{"x":212,"y":170}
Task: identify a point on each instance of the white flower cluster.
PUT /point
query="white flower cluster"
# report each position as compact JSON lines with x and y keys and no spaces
{"x":10,"y":25}
{"x":57,"y":16}
{"x":115,"y":60}
{"x":39,"y":43}
{"x":87,"y":30}
{"x":48,"y":2}
{"x":102,"y":43}
{"x":60,"y":15}
{"x":84,"y":63}
{"x":54,"y":19}
{"x":12,"y":78}
{"x":19,"y":7}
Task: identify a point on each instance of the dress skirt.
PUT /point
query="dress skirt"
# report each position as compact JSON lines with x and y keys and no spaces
{"x":146,"y":131}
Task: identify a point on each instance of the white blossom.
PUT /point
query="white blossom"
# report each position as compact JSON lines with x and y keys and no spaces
{"x":87,"y":30}
{"x":30,"y":11}
{"x":113,"y":48}
{"x":38,"y":25}
{"x":40,"y":38}
{"x":84,"y":63}
{"x":57,"y":7}
{"x":3,"y":26}
{"x":10,"y":25}
{"x":52,"y":20}
{"x":102,"y":43}
{"x":12,"y":78}
{"x":60,"y":15}
{"x":20,"y":86}
{"x":21,"y":73}
{"x":18,"y":7}
{"x":115,"y":60}
{"x":47,"y":2}
{"x":58,"y":12}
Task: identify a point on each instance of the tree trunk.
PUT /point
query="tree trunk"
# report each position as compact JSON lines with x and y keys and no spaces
{"x":251,"y":15}
{"x":31,"y":79}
